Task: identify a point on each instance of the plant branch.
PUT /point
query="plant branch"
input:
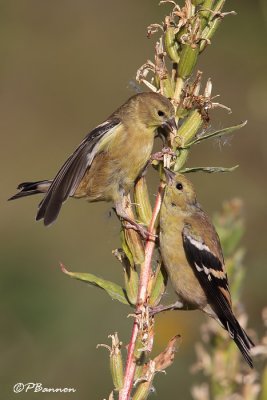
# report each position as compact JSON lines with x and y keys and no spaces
{"x":142,"y":298}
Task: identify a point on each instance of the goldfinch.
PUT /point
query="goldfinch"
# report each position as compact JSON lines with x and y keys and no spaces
{"x":106,"y":164}
{"x":193,"y":258}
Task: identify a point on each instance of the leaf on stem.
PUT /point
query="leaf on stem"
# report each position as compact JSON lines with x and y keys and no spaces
{"x":219,"y":133}
{"x":209,"y":170}
{"x":115,"y":291}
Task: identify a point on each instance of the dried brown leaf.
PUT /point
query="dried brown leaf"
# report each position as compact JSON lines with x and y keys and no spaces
{"x":165,"y":359}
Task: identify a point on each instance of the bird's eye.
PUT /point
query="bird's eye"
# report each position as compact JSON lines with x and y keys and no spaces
{"x":179,"y":186}
{"x":161,"y":113}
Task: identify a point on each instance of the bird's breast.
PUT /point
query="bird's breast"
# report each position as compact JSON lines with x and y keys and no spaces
{"x":181,"y":275}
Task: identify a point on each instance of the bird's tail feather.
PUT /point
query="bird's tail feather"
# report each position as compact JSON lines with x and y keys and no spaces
{"x":30,"y":188}
{"x":243,"y":342}
{"x":229,"y":322}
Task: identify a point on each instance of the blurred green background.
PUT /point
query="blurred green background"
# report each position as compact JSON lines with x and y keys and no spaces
{"x":65,"y":66}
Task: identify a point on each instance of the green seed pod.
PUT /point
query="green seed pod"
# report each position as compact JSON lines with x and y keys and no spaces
{"x":143,"y":390}
{"x":141,"y":359}
{"x":187,"y":61}
{"x":182,"y":156}
{"x":116,"y":363}
{"x":141,"y":198}
{"x":126,"y":249}
{"x":159,"y":283}
{"x":186,"y":133}
{"x":182,"y":113}
{"x":138,"y":372}
{"x":116,"y":368}
{"x":156,"y":82}
{"x":212,"y":25}
{"x":145,"y":386}
{"x":135,"y":246}
{"x":167,"y":87}
{"x":131,"y":280}
{"x":190,"y":126}
{"x":171,"y":44}
{"x":130,"y":274}
{"x":178,"y":36}
{"x":206,"y":14}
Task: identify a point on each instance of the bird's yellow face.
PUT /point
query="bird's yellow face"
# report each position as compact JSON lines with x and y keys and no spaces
{"x":152,"y":110}
{"x":160,"y":112}
{"x":179,"y":191}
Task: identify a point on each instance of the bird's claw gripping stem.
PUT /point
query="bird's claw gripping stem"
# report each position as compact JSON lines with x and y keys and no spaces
{"x":140,"y":229}
{"x":161,"y":308}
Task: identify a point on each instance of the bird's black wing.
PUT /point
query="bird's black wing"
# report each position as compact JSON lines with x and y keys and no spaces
{"x":71,"y":173}
{"x":209,"y":270}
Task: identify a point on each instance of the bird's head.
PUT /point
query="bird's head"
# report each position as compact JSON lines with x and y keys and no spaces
{"x":179,"y":191}
{"x":154,"y":111}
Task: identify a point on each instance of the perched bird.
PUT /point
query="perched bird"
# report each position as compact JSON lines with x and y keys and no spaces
{"x":109,"y":159}
{"x":193,"y":258}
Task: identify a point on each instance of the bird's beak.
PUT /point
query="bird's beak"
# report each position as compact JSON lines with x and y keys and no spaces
{"x":170,"y":124}
{"x":170,"y":175}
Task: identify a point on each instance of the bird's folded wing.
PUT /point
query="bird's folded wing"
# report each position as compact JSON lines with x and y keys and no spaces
{"x":209,"y":270}
{"x":71,"y":173}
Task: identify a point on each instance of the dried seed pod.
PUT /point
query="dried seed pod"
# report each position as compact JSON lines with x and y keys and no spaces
{"x":116,"y":362}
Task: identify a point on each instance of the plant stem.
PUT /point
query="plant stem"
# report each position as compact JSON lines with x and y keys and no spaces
{"x":142,"y":298}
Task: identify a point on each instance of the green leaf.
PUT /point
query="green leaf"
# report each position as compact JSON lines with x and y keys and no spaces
{"x":221,"y":132}
{"x":209,"y":170}
{"x":115,"y":291}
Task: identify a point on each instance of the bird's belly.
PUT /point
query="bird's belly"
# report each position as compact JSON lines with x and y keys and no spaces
{"x":113,"y":172}
{"x":186,"y":286}
{"x":100,"y":181}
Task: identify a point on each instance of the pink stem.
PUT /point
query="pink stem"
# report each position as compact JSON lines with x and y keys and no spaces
{"x":142,"y":296}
